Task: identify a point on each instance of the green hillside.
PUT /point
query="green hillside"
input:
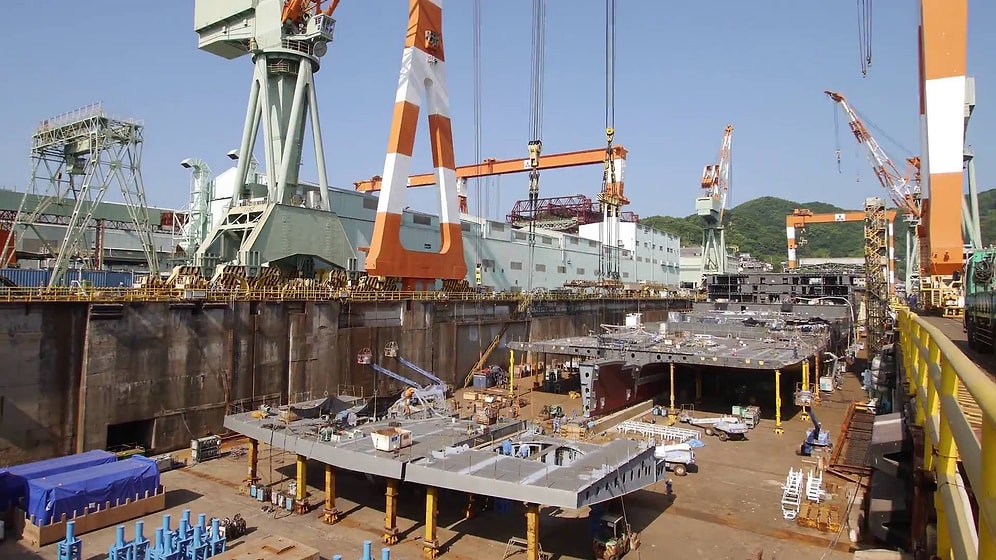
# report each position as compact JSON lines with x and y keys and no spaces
{"x":758,"y":227}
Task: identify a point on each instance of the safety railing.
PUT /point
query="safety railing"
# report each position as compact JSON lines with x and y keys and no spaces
{"x":219,"y":294}
{"x":934,"y":369}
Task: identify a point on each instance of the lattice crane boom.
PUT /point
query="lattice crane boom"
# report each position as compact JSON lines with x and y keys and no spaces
{"x":903,"y":189}
{"x":716,"y":177}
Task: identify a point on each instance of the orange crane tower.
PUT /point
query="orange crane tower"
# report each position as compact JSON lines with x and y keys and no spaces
{"x":943,"y":34}
{"x":422,"y":76}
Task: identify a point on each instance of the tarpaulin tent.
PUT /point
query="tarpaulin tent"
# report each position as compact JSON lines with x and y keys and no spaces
{"x":89,"y":489}
{"x":15,"y":484}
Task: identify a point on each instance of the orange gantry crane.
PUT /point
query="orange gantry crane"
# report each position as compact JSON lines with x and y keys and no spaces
{"x":422,"y":76}
{"x":492,"y":166}
{"x":796,"y":222}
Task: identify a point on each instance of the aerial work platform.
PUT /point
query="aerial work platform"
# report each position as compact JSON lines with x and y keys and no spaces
{"x":456,"y":454}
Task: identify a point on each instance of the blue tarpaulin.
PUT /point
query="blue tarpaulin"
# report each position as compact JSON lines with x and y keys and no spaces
{"x":88,"y":489}
{"x":14,"y":486}
{"x":4,"y":492}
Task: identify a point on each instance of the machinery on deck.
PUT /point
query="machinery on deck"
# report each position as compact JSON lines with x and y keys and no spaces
{"x":815,"y":437}
{"x":980,"y":289}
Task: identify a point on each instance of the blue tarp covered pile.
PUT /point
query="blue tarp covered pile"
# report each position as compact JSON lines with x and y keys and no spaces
{"x":89,"y":489}
{"x":4,"y":493}
{"x":14,"y":485}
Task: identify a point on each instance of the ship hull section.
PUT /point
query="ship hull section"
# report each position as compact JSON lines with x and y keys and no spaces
{"x":611,"y":385}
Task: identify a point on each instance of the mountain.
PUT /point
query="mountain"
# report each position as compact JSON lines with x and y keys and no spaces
{"x":758,"y":227}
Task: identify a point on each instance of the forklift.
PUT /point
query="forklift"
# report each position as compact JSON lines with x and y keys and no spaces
{"x":612,"y":537}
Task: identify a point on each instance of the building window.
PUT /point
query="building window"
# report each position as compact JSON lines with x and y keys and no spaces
{"x":574,"y":240}
{"x":519,"y":236}
{"x":546,"y":240}
{"x":515,"y":265}
{"x":497,"y":226}
{"x":561,"y":270}
{"x":639,"y":259}
{"x":488,"y":264}
{"x":541,"y":268}
{"x":580,"y":272}
{"x":370,"y":202}
{"x":422,"y":220}
{"x":464,"y":226}
{"x":625,"y":275}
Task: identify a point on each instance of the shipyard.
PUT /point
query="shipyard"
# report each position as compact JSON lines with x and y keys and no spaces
{"x":282,"y":353}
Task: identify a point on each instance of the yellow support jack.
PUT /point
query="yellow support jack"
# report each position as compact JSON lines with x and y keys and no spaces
{"x":430,"y":544}
{"x":804,"y":415}
{"x":330,"y":514}
{"x":391,"y":533}
{"x":778,"y":403}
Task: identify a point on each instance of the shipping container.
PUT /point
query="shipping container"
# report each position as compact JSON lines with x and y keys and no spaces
{"x":99,"y":278}
{"x":26,"y":277}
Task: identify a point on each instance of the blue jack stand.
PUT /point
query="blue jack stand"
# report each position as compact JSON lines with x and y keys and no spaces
{"x":72,"y":547}
{"x":184,"y":534}
{"x":140,"y":546}
{"x":218,"y":542}
{"x":121,"y":549}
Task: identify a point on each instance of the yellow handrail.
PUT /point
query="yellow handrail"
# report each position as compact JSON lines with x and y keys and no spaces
{"x":934,"y":367}
{"x":226,"y":294}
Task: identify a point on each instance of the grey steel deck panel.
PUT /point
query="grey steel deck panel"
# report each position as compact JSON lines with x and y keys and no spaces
{"x":436,"y":458}
{"x":729,"y":345}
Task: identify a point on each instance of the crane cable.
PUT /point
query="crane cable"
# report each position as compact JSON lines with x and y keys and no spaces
{"x":535,"y":145}
{"x":479,"y":195}
{"x":609,"y":176}
{"x":865,"y":34}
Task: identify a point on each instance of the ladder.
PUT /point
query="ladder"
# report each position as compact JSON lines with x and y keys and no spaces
{"x":659,"y":433}
{"x":517,"y":544}
{"x":792,"y":494}
{"x":484,"y":356}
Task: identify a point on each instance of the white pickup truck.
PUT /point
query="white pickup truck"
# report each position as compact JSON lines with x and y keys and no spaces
{"x":677,"y":457}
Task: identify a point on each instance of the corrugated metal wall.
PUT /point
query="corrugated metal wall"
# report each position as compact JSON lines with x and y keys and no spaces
{"x":30,"y":278}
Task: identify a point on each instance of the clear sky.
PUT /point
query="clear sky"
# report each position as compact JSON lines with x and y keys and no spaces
{"x":684,"y":71}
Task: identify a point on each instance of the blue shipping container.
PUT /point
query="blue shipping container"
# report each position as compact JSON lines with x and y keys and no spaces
{"x":87,"y":489}
{"x":480,"y":381}
{"x":16,"y":482}
{"x":99,"y":278}
{"x":26,"y":277}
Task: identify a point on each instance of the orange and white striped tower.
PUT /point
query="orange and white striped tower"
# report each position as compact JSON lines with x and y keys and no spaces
{"x":423,"y":76}
{"x":943,"y":47}
{"x":793,"y":262}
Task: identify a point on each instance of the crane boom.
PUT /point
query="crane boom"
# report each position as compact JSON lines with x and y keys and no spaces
{"x":492,"y":166}
{"x":903,"y":189}
{"x":716,"y":177}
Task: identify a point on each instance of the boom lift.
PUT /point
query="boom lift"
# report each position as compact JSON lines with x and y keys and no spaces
{"x":815,"y":437}
{"x":391,"y":351}
{"x":903,"y":188}
{"x":712,"y":207}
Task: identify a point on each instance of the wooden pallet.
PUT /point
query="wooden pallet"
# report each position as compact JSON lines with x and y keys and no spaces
{"x":822,"y":517}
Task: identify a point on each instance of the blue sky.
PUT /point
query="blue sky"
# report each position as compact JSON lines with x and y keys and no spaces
{"x":684,"y":70}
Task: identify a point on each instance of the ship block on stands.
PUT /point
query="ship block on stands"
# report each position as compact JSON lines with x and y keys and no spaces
{"x":507,"y":460}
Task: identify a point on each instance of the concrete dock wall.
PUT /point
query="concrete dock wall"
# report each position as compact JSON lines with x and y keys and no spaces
{"x":79,"y":376}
